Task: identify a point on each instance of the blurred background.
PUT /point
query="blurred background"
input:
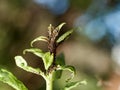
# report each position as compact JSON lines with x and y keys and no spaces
{"x":93,"y":48}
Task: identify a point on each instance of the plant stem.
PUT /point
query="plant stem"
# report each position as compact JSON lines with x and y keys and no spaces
{"x":49,"y":82}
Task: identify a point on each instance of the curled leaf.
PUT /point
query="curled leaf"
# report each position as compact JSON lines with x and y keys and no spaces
{"x":35,"y":51}
{"x":46,"y":57}
{"x":20,"y":62}
{"x":58,"y":28}
{"x":10,"y":79}
{"x":69,"y":68}
{"x":72,"y":85}
{"x":40,"y":38}
{"x":64,"y":36}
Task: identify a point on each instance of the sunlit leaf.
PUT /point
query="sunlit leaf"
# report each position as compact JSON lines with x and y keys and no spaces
{"x":64,"y":36}
{"x":47,"y":59}
{"x":40,"y":38}
{"x":58,"y":28}
{"x":10,"y":79}
{"x":71,"y":85}
{"x":20,"y":62}
{"x":35,"y":51}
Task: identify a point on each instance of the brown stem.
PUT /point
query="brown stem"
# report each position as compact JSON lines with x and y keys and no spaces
{"x":52,"y":45}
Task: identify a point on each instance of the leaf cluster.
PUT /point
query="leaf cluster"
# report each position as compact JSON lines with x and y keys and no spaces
{"x":54,"y":65}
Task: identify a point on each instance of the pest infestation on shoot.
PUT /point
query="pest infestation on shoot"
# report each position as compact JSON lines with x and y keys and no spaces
{"x":54,"y":65}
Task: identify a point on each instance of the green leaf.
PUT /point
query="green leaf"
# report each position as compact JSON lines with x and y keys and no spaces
{"x":35,"y":51}
{"x":57,"y":74}
{"x":10,"y":79}
{"x":40,"y":38}
{"x":69,"y":68}
{"x":72,"y":85}
{"x":47,"y":60}
{"x":60,"y":59}
{"x":20,"y":62}
{"x":61,"y":62}
{"x":64,"y":36}
{"x":46,"y":57}
{"x":58,"y":28}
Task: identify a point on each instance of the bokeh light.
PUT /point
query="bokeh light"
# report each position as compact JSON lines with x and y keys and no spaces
{"x":93,"y":48}
{"x":57,"y":7}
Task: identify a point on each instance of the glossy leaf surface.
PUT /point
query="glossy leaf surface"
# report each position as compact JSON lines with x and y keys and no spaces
{"x":64,"y":36}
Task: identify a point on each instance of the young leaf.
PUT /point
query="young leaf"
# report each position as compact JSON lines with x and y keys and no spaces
{"x":47,"y":60}
{"x":72,"y":85}
{"x":64,"y":36}
{"x":10,"y":79}
{"x":69,"y":68}
{"x":58,"y":28}
{"x":57,"y":74}
{"x":20,"y":62}
{"x":35,"y":51}
{"x":40,"y":38}
{"x":46,"y":57}
{"x":50,"y":29}
{"x":60,"y":59}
